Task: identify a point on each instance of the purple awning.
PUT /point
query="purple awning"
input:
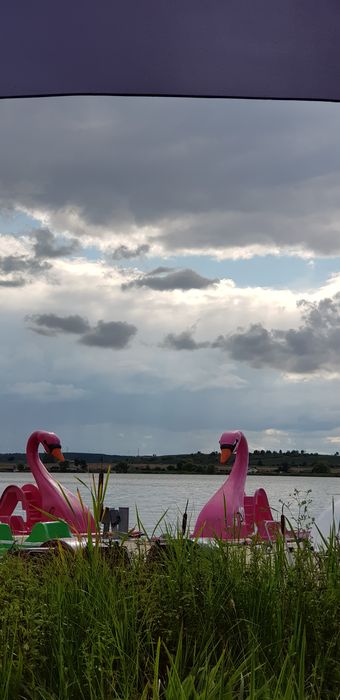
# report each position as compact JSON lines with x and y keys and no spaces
{"x":277,"y":49}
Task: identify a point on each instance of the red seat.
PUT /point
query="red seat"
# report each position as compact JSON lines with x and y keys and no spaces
{"x":30,"y":499}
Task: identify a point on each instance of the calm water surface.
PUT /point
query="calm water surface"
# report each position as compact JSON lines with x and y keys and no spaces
{"x":156,"y":494}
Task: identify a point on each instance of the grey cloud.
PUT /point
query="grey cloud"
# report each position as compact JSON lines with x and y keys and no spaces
{"x":289,"y":231}
{"x":325,"y":314}
{"x":112,"y":334}
{"x":158,"y":271}
{"x":22,"y":263}
{"x":13,"y":263}
{"x":182,"y":341}
{"x":125,"y":253}
{"x":49,"y":324}
{"x":18,"y":282}
{"x":205,"y":172}
{"x":42,"y":331}
{"x":315,"y":345}
{"x":47,"y":245}
{"x":162,"y":280}
{"x":20,"y":269}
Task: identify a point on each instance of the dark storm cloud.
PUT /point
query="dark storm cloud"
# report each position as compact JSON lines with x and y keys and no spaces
{"x":113,"y":334}
{"x":163,"y":280}
{"x":293,"y":230}
{"x":47,"y":245}
{"x":315,"y":345}
{"x":48,"y":324}
{"x":125,"y":253}
{"x":182,"y":341}
{"x":207,"y":173}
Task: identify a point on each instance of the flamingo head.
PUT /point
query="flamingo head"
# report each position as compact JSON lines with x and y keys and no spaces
{"x":51,"y":445}
{"x":229,"y":442}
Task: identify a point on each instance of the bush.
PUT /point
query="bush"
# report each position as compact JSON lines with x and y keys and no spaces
{"x":321,"y":468}
{"x":121,"y":467}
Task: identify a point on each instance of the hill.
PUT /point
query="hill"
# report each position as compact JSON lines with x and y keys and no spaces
{"x":260,"y":462}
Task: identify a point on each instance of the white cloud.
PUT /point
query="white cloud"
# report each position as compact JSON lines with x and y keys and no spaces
{"x":273,"y":432}
{"x":333,"y":439}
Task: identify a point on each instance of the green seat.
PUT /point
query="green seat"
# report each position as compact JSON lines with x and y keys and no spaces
{"x":6,"y":537}
{"x":42,"y":532}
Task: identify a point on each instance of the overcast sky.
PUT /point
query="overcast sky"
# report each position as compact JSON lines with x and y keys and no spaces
{"x":169,"y":270}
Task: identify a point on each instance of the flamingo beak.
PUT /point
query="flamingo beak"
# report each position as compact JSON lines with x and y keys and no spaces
{"x":225,"y":455}
{"x":57,"y":453}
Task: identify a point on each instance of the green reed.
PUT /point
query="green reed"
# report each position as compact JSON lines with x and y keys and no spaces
{"x":187,"y":621}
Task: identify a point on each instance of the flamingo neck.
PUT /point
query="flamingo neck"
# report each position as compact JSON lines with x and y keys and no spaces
{"x":36,"y":466}
{"x":239,"y":471}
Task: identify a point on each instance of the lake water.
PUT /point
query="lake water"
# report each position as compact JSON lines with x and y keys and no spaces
{"x":155,"y":494}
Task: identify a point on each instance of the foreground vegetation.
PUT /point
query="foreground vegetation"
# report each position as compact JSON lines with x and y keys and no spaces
{"x":190,"y":622}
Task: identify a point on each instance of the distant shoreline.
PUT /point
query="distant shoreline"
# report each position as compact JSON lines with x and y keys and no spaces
{"x":261,"y":463}
{"x":165,"y":472}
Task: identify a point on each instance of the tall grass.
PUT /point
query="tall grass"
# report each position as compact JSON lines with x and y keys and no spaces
{"x":188,"y":622}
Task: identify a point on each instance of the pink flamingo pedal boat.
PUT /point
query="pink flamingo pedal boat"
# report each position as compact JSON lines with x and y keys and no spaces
{"x":230,"y":514}
{"x":45,"y":500}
